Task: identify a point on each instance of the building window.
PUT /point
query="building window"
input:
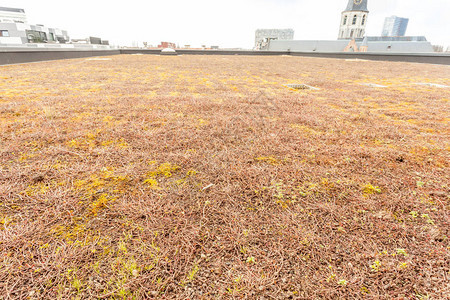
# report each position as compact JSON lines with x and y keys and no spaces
{"x":4,"y":33}
{"x":363,"y":20}
{"x":354,"y":19}
{"x":351,"y":33}
{"x":345,"y":20}
{"x":36,"y":36}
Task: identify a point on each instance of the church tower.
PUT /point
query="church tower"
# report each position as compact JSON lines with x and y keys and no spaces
{"x":354,"y":20}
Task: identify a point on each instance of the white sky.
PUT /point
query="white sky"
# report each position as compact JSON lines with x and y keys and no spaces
{"x":230,"y":23}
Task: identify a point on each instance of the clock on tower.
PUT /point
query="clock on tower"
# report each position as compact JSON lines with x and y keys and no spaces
{"x":357,"y":5}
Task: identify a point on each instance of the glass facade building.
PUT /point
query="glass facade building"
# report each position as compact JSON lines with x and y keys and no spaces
{"x":395,"y":26}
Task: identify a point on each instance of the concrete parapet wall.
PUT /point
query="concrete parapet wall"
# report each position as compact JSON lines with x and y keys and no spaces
{"x":203,"y":52}
{"x":429,"y":58}
{"x":23,"y":55}
{"x":17,"y":55}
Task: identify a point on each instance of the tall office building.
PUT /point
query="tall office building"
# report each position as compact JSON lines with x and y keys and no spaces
{"x":354,"y":20}
{"x":394,"y":26}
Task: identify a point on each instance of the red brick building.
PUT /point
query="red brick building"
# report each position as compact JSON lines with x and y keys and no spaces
{"x":167,"y":45}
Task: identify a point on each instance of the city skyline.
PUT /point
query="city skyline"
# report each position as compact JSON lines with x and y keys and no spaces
{"x":230,"y":24}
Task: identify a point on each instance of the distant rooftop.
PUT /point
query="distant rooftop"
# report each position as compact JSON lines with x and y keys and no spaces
{"x":10,"y":9}
{"x":396,"y":38}
{"x":275,"y":29}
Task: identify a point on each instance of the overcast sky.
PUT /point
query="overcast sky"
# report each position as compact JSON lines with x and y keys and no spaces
{"x":230,"y":23}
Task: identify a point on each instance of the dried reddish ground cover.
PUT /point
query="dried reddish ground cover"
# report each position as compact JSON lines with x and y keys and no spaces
{"x":193,"y":176}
